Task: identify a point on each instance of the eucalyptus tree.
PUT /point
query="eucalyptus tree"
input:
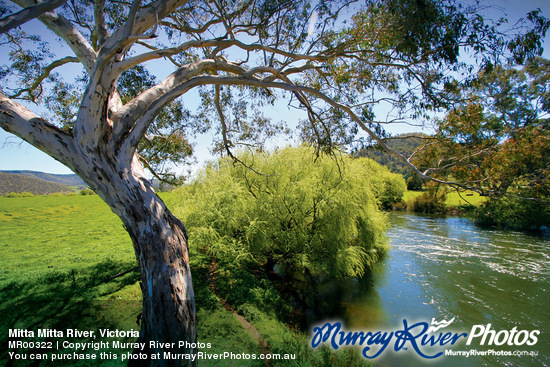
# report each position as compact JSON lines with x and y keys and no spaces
{"x":334,"y":59}
{"x":498,"y":140}
{"x":498,"y":143}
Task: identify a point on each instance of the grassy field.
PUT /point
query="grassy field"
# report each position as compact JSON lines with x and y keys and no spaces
{"x":47,"y":237}
{"x":454,"y":199}
{"x":58,"y":255}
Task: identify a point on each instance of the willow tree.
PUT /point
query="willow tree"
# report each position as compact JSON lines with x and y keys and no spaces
{"x":304,"y":214}
{"x":336,"y":60}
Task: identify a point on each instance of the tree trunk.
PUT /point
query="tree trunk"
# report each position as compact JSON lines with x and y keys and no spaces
{"x":168,"y":320}
{"x":159,"y":238}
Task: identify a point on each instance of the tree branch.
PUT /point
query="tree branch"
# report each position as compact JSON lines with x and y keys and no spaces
{"x":34,"y":11}
{"x":152,"y":170}
{"x":137,"y":25}
{"x":146,"y":45}
{"x":101,"y":27}
{"x":126,"y":118}
{"x":18,"y":120}
{"x":102,"y":87}
{"x":157,"y":54}
{"x":226,"y":143}
{"x":136,"y":134}
{"x":45,"y":73}
{"x":69,"y":33}
{"x":129,"y":26}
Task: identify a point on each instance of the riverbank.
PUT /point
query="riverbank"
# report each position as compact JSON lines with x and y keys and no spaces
{"x":456,"y":203}
{"x":64,"y":263}
{"x":504,"y":213}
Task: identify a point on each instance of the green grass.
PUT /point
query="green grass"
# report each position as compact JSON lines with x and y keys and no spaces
{"x":454,"y":199}
{"x":465,"y":198}
{"x":58,"y":254}
{"x":410,"y":195}
{"x":50,"y":236}
{"x":225,"y":334}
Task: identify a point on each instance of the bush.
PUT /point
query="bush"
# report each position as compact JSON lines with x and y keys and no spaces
{"x":301,"y":212}
{"x":402,"y":205}
{"x":515,"y":213}
{"x":87,"y":192}
{"x":432,"y":201}
{"x":392,"y":192}
{"x":24,"y":194}
{"x":414,"y":183}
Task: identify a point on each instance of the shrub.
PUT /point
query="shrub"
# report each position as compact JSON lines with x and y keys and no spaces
{"x":414,"y":183}
{"x":432,"y":201}
{"x":402,"y":205}
{"x":300,"y":212}
{"x":392,"y":192}
{"x":515,"y":213}
{"x":87,"y":192}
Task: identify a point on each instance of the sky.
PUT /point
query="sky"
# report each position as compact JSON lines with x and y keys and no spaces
{"x":16,"y":154}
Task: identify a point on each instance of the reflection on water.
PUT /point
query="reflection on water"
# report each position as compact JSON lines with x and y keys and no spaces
{"x":446,"y":267}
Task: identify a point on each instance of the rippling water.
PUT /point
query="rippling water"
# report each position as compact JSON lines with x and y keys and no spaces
{"x":447,"y":267}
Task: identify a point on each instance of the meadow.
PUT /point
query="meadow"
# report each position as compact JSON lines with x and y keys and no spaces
{"x":453,"y":200}
{"x":61,"y":260}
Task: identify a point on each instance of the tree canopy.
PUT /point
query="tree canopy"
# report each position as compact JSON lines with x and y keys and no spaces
{"x":345,"y":63}
{"x":498,"y":142}
{"x":498,"y":139}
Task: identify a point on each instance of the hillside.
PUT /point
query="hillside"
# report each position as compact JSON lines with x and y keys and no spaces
{"x":37,"y":182}
{"x":12,"y":182}
{"x":69,"y":180}
{"x":405,"y":144}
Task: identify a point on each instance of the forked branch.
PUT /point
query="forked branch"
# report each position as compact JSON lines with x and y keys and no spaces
{"x":31,"y":12}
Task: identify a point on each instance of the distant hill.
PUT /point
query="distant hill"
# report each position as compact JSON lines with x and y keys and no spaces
{"x":41,"y":183}
{"x":405,"y":144}
{"x":69,"y":180}
{"x":12,"y":182}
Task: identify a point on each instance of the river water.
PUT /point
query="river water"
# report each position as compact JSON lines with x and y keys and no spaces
{"x":446,"y":268}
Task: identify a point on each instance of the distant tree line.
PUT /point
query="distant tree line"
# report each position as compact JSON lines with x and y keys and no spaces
{"x":406,"y":145}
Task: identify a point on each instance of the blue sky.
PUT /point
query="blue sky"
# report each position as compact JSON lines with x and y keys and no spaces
{"x":15,"y":154}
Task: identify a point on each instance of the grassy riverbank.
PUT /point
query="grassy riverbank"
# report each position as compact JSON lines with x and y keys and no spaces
{"x":454,"y":202}
{"x":62,"y":257}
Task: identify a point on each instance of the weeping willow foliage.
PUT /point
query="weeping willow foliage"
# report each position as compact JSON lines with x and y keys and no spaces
{"x":301,"y":212}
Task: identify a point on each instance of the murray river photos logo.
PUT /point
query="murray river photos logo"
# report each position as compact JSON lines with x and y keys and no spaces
{"x":427,"y":340}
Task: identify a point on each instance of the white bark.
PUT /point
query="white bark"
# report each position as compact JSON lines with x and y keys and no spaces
{"x":23,"y":16}
{"x":160,"y":244}
{"x":160,"y":239}
{"x":19,"y":120}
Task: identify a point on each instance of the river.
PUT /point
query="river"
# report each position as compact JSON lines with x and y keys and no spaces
{"x":446,"y":267}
